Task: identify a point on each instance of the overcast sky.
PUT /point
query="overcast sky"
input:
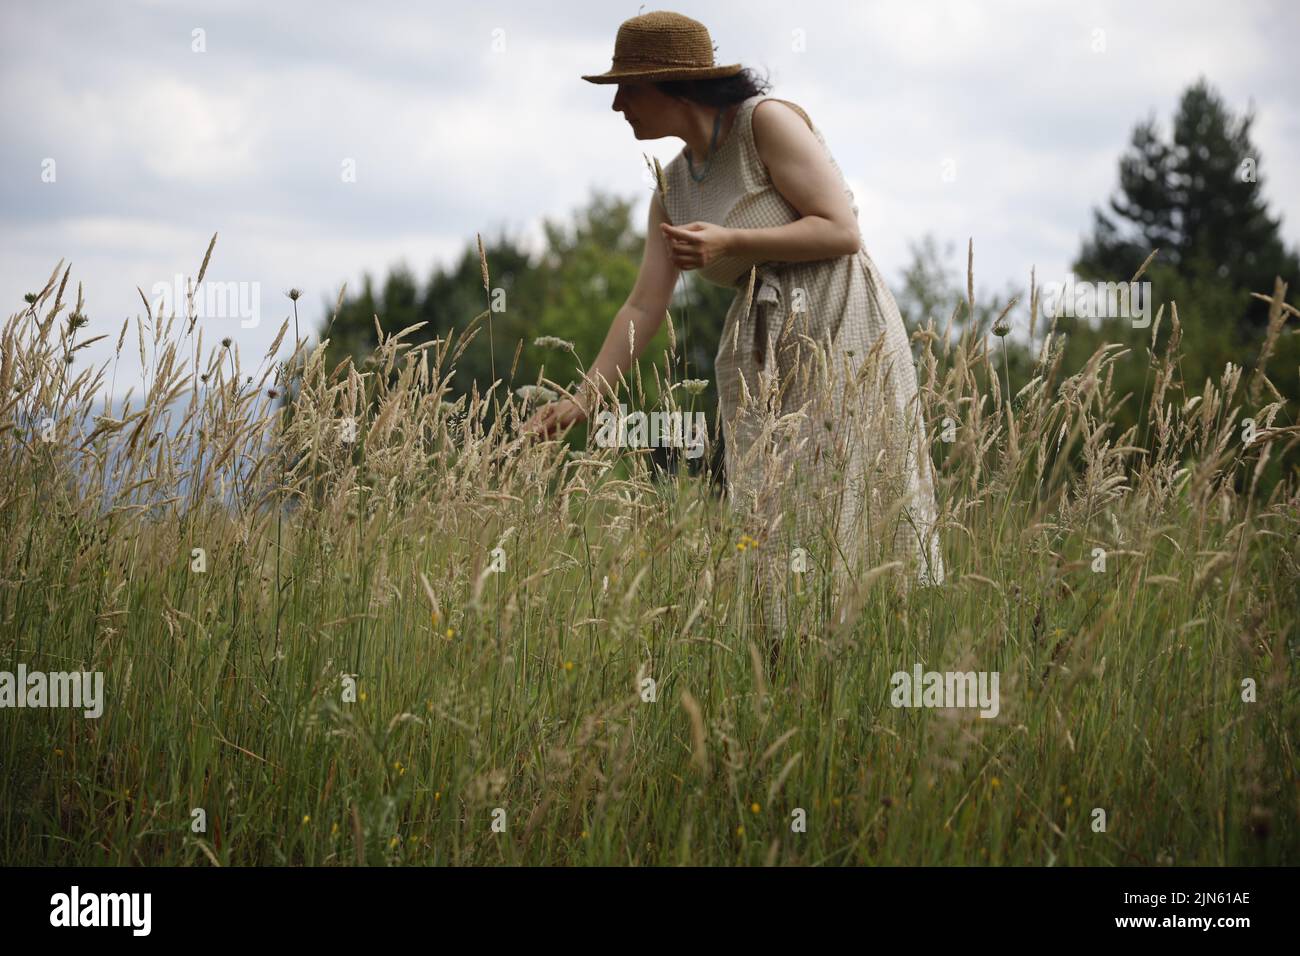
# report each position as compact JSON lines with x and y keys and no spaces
{"x":471,"y":117}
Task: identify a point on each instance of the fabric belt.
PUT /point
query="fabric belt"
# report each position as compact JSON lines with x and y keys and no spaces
{"x":765,"y":304}
{"x":767,"y":284}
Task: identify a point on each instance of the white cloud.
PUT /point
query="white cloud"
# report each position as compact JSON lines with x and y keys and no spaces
{"x":158,"y":147}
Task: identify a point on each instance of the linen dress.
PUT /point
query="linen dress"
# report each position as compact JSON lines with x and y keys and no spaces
{"x":826,"y":453}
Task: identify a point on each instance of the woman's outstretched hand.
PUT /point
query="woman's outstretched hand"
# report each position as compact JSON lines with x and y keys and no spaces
{"x":555,"y":417}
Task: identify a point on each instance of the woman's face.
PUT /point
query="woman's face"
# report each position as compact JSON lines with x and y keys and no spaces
{"x":645,"y":108}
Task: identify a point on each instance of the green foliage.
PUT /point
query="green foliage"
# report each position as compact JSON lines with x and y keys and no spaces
{"x":1197,"y":198}
{"x":1196,"y":195}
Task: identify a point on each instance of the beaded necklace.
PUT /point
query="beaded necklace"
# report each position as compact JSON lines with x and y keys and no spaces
{"x":717,"y":127}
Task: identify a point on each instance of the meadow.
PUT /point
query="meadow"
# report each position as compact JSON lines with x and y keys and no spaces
{"x":346,"y":617}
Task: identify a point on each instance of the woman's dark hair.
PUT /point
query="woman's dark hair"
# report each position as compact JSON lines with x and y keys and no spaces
{"x":720,"y":92}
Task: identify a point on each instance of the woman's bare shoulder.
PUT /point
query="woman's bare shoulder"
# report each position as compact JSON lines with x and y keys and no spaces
{"x":783,"y":128}
{"x":793,"y":116}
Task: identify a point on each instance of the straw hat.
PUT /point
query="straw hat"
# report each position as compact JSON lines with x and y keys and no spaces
{"x":662,"y":45}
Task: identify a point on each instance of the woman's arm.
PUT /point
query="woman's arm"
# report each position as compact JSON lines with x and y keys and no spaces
{"x":644,"y":309}
{"x":804,"y":240}
{"x":803,"y":174}
{"x":643,"y":313}
{"x":615,"y":357}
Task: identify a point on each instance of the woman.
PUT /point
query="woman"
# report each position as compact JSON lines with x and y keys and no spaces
{"x":826,"y":451}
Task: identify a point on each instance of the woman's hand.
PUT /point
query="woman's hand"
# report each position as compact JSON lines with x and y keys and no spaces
{"x":696,"y":244}
{"x":555,"y":417}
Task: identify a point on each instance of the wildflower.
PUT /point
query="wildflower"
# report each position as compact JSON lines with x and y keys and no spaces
{"x":754,"y":808}
{"x":995,"y":783}
{"x":568,"y":665}
{"x":76,"y":320}
{"x":392,"y":844}
{"x":740,"y":830}
{"x":363,"y":696}
{"x":1069,"y":801}
{"x":58,"y":752}
{"x":835,"y":801}
{"x":294,"y":294}
{"x":437,"y":796}
{"x":397,"y":765}
{"x":584,"y":834}
{"x":225,"y":343}
{"x":306,"y":819}
{"x":1001,"y":327}
{"x":449,"y":633}
{"x":695,"y":386}
{"x":334,"y":829}
{"x":745,"y":543}
{"x":535,"y":393}
{"x":553,"y":342}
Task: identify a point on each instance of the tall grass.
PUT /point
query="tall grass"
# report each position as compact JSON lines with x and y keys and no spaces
{"x":602,"y":697}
